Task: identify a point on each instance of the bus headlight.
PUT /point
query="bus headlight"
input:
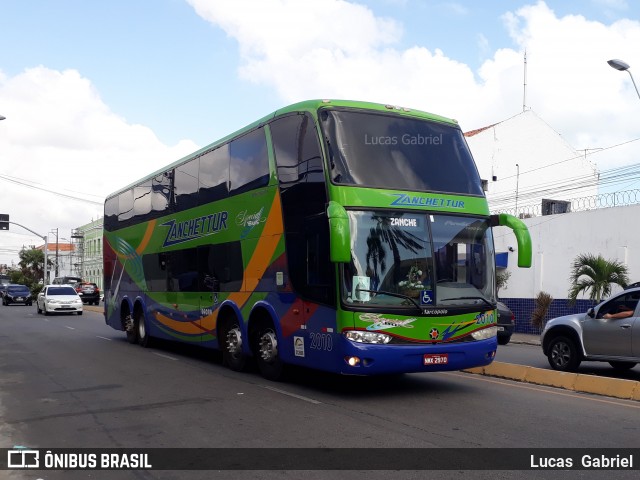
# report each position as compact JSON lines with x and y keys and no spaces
{"x":367,"y":337}
{"x":485,"y":333}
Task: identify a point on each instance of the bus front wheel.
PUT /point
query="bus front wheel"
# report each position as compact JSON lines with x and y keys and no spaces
{"x":267,"y":354}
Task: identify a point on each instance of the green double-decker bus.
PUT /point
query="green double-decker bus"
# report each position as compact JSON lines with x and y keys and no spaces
{"x":344,"y":236}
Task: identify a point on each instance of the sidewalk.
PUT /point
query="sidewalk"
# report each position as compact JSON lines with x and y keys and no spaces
{"x":526,"y":338}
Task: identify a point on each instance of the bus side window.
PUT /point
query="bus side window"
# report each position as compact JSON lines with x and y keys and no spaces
{"x":220,"y":267}
{"x":186,"y":185}
{"x":304,"y":198}
{"x":213,"y":175}
{"x":249,"y":164}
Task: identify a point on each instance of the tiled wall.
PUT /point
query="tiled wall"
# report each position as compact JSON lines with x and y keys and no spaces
{"x":522,"y":308}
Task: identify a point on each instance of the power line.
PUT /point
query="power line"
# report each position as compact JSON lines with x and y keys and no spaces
{"x":581,"y":156}
{"x":37,"y":186}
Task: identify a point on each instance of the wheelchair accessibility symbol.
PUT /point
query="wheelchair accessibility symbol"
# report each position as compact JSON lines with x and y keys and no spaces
{"x":426,"y":297}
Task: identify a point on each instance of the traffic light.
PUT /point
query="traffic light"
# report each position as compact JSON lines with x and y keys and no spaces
{"x":4,"y":221}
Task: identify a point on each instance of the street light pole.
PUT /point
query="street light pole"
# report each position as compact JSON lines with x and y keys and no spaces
{"x":46,"y":247}
{"x":623,"y":67}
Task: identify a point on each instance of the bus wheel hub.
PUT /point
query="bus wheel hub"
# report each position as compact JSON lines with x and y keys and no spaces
{"x":128,"y":324}
{"x":268,"y":346}
{"x":234,"y":341}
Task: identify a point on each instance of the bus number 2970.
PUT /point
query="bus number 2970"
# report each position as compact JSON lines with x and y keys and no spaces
{"x":321,"y":341}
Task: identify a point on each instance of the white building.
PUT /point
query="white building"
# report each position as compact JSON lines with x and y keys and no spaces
{"x":525,"y":161}
{"x":558,"y":239}
{"x":533,"y":173}
{"x":90,"y":245}
{"x":60,"y":257}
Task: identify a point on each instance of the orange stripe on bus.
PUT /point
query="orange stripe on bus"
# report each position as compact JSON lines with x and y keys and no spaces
{"x":259,"y":262}
{"x":182,"y":327}
{"x":147,"y":236}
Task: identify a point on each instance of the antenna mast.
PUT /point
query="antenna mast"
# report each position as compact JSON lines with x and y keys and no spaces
{"x":524,"y":94}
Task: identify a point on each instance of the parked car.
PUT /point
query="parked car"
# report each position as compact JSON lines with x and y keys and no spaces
{"x":89,"y":292}
{"x":609,"y":332}
{"x":58,"y":299}
{"x":66,"y":281}
{"x":506,"y":323}
{"x":17,"y":294}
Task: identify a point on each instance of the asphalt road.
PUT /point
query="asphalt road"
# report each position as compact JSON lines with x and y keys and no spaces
{"x":71,"y":382}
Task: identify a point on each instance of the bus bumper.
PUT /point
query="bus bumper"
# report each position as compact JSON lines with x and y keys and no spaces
{"x":373,"y":359}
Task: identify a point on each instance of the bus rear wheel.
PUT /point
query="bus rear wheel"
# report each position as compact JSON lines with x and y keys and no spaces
{"x":231,"y":339}
{"x":144,"y":340}
{"x":130,"y":329}
{"x":267,"y":355}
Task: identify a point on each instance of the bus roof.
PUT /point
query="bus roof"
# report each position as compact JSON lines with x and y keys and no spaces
{"x":307,"y":105}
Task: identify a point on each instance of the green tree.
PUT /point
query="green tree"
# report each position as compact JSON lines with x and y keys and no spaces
{"x":595,"y":274}
{"x":502,"y":277}
{"x":31,"y":269}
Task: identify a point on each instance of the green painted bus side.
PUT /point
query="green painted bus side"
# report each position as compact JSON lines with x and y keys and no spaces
{"x":252,"y":270}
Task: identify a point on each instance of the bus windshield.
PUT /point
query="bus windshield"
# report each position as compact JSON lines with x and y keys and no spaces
{"x":409,"y":259}
{"x":402,"y":153}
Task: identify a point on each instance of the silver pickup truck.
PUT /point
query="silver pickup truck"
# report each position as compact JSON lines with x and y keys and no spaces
{"x":609,"y":332}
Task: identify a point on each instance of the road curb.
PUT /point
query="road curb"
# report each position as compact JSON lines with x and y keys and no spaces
{"x":610,"y":387}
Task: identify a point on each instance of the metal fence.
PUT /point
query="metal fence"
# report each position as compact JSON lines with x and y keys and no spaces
{"x":549,"y":207}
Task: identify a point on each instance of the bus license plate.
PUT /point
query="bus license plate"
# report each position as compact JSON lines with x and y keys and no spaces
{"x":436,"y":359}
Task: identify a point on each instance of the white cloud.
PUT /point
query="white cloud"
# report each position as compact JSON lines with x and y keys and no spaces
{"x":337,"y":49}
{"x":612,"y":4}
{"x":456,"y":8}
{"x":58,"y":134}
{"x":59,"y":131}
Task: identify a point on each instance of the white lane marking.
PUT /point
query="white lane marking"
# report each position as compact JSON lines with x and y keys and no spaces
{"x":299,"y":397}
{"x":165,"y":356}
{"x":104,"y":338}
{"x":70,"y":328}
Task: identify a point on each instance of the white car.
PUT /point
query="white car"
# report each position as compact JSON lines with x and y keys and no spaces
{"x":59,"y":299}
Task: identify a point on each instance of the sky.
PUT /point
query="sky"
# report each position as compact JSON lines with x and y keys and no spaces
{"x":98,"y":94}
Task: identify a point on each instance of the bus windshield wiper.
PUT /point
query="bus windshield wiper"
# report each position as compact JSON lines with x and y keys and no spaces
{"x":469,"y":298}
{"x":391,"y":294}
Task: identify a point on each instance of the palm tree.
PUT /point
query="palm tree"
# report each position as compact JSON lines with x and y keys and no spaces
{"x":595,"y":274}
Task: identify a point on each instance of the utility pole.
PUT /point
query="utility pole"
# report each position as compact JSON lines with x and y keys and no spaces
{"x":57,"y":254}
{"x":524,"y":95}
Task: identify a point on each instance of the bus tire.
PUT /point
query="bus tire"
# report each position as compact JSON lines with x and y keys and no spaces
{"x":144,"y":340}
{"x":266,"y":352}
{"x":231,"y":345}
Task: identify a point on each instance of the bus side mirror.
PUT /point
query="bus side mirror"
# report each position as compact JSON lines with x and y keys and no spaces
{"x":339,"y":233}
{"x":522,"y":236}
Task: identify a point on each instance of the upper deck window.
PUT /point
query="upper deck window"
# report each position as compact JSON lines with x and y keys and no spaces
{"x":397,"y":152}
